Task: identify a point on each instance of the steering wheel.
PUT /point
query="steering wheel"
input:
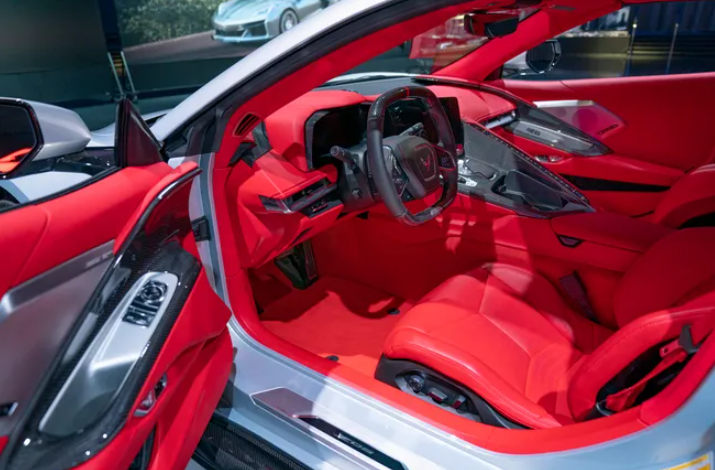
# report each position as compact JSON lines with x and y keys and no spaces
{"x":410,"y":163}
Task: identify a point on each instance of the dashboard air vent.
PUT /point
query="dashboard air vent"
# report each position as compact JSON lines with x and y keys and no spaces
{"x":246,"y":124}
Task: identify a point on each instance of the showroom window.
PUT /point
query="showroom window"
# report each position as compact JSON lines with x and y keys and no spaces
{"x":638,"y":40}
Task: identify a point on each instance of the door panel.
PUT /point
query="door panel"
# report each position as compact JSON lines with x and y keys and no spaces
{"x":611,"y":182}
{"x":666,"y":117}
{"x":663,"y":131}
{"x":113,"y":340}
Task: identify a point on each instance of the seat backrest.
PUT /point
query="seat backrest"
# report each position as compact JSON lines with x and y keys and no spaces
{"x":691,"y":196}
{"x":673,"y":271}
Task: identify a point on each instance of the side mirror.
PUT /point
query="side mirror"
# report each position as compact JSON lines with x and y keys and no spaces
{"x":20,"y":136}
{"x":541,"y":59}
{"x":31,"y":131}
{"x":544,"y":57}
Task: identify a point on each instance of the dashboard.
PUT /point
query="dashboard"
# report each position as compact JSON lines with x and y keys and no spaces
{"x":293,"y":186}
{"x":346,"y":127}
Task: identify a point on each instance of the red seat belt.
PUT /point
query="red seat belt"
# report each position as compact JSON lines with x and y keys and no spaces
{"x":672,"y":353}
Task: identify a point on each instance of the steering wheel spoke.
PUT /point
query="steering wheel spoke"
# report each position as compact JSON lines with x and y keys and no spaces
{"x":445,"y":160}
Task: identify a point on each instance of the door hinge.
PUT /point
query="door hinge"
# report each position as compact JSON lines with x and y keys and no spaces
{"x":201,"y":229}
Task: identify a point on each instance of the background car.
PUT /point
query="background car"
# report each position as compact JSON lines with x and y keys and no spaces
{"x":258,"y":20}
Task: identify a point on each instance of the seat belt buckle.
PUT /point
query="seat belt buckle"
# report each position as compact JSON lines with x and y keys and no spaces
{"x":670,"y":348}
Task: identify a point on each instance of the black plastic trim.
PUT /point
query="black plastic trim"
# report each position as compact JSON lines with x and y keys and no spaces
{"x":201,"y":229}
{"x":134,"y":143}
{"x":389,"y":370}
{"x":596,"y":184}
{"x":226,"y":445}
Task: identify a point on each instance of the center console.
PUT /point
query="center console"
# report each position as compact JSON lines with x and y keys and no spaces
{"x":499,"y":173}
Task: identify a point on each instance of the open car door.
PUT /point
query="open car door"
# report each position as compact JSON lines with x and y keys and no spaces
{"x":115,"y":349}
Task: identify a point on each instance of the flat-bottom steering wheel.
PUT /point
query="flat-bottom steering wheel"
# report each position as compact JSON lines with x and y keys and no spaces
{"x":410,"y":163}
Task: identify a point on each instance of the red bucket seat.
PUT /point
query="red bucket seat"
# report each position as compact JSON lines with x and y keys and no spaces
{"x":506,"y":333}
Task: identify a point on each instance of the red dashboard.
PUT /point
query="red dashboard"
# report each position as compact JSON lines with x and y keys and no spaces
{"x":258,"y":190}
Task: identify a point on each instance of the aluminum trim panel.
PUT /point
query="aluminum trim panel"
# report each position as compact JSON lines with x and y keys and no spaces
{"x":106,"y":364}
{"x":563,"y":103}
{"x":35,"y":319}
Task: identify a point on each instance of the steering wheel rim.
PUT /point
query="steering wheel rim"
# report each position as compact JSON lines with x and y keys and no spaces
{"x":444,"y":155}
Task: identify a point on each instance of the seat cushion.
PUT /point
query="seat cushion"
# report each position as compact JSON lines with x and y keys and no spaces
{"x":505,"y":333}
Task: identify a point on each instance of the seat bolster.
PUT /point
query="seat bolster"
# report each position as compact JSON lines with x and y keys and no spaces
{"x":621,"y":349}
{"x":691,"y":196}
{"x":667,"y":274}
{"x":414,"y":345}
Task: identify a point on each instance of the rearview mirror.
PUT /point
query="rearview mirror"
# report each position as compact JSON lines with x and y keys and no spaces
{"x":544,"y":57}
{"x":491,"y":25}
{"x":20,"y":137}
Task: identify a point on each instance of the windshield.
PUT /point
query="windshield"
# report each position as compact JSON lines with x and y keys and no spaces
{"x":444,"y":44}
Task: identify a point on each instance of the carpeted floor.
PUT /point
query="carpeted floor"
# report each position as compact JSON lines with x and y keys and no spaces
{"x":335,"y":317}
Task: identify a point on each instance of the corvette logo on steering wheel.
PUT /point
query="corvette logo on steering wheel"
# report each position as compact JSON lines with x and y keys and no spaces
{"x":426,"y":161}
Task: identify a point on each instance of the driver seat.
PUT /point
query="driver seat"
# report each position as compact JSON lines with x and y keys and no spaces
{"x":504,"y":335}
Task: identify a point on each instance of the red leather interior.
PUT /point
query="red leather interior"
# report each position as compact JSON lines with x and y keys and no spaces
{"x":650,"y":148}
{"x":670,"y":273}
{"x":647,"y":105}
{"x":196,"y":358}
{"x":507,"y":334}
{"x":179,"y":417}
{"x":609,"y":229}
{"x":197,"y":354}
{"x":551,"y":440}
{"x":690,"y":197}
{"x":45,"y":235}
{"x":610,"y":167}
{"x":265,"y":233}
{"x":286,"y":129}
{"x":468,"y":234}
{"x":479,"y":330}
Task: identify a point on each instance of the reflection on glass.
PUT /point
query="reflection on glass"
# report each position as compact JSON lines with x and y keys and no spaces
{"x":17,"y":136}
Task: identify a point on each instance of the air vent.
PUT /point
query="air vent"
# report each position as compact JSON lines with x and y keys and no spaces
{"x":248,"y":122}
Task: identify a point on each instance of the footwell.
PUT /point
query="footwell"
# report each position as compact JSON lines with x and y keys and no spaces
{"x":339,"y":319}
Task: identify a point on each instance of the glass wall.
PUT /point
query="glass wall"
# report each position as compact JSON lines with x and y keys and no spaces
{"x":83,"y":54}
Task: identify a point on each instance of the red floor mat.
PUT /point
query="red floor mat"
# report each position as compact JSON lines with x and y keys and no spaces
{"x":334,"y":317}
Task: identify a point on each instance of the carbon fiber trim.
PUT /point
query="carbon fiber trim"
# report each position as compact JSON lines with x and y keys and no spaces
{"x":228,"y":446}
